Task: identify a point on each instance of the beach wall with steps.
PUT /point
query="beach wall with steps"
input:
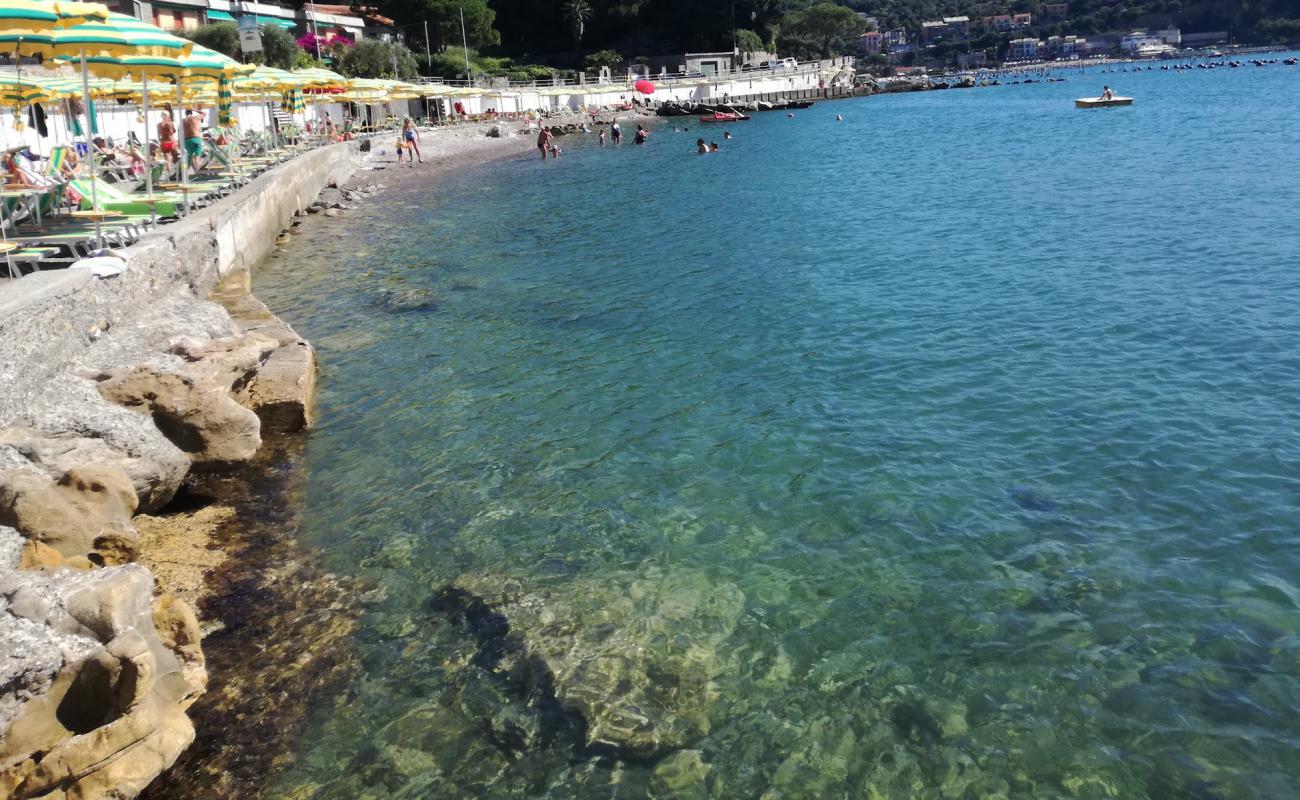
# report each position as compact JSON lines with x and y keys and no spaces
{"x":111,"y":392}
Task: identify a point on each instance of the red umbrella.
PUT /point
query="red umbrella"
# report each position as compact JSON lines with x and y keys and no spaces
{"x":644,"y":87}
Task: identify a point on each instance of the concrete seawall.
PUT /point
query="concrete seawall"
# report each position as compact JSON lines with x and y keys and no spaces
{"x":46,"y":318}
{"x":112,"y":391}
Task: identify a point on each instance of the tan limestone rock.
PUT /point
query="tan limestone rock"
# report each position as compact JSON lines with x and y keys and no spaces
{"x":281,"y":391}
{"x":39,"y":555}
{"x":228,"y":362}
{"x":111,"y":715}
{"x":198,"y":416}
{"x":71,"y":513}
{"x":155,"y":472}
{"x":178,"y":629}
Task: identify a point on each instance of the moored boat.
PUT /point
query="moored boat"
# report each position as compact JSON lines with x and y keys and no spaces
{"x":1097,"y":102}
{"x":724,"y":116}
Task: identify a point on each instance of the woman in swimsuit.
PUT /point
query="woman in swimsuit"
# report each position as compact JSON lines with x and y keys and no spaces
{"x":412,"y":138}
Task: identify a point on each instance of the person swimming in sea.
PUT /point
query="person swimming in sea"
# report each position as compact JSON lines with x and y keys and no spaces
{"x":701,"y":147}
{"x":713,"y":147}
{"x":726,"y":134}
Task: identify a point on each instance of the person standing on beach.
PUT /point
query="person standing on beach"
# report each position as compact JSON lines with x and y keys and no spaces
{"x":192,"y":129}
{"x":167,"y":138}
{"x":615,"y":132}
{"x":412,"y":138}
{"x":544,"y":139}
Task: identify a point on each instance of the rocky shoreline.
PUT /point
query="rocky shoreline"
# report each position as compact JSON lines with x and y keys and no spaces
{"x":133,"y":417}
{"x":121,"y":396}
{"x":100,"y":667}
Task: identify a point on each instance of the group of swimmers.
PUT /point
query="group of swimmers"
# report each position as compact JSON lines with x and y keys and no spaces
{"x":546,"y":137}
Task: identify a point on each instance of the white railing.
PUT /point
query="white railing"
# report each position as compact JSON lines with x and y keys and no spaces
{"x":835,"y":66}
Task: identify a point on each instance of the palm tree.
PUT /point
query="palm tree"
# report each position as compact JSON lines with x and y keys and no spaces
{"x":578,"y":12}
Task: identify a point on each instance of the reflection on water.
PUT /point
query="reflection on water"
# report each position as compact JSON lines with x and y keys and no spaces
{"x":928,"y":454}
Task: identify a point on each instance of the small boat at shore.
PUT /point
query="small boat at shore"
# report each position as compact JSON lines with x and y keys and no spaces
{"x":1097,"y":102}
{"x":724,"y":116}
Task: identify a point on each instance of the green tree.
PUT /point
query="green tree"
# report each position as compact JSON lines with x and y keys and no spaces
{"x":279,"y":49}
{"x":220,"y":36}
{"x":748,"y":42}
{"x":602,"y":58}
{"x":304,"y":60}
{"x":443,"y":17}
{"x":577,"y":12}
{"x":371,"y":58}
{"x":821,"y":29}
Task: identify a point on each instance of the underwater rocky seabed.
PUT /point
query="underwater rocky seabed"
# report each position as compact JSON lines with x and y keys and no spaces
{"x":890,"y":494}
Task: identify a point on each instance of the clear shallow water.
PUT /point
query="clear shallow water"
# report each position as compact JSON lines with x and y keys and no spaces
{"x":947,"y":451}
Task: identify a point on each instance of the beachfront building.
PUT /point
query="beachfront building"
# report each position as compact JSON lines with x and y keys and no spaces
{"x":171,"y":15}
{"x":1022,"y":20}
{"x":1170,"y":36}
{"x":934,"y":31}
{"x":337,"y":22}
{"x":958,"y":28}
{"x":895,"y":37}
{"x":871,"y":42}
{"x":1000,"y":23}
{"x":1144,"y":44}
{"x":1024,"y":49}
{"x":710,"y":63}
{"x":266,"y":13}
{"x":373,"y":24}
{"x":1065,"y":46}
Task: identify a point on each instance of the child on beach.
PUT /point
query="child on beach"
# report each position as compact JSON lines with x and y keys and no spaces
{"x":399,"y":148}
{"x":602,"y":135}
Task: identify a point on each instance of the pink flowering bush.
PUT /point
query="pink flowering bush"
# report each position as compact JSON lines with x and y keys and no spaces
{"x":328,"y":41}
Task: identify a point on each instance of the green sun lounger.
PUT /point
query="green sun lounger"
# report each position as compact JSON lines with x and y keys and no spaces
{"x":111,"y":198}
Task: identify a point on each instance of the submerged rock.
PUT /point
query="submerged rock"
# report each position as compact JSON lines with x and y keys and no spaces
{"x":634,"y":656}
{"x":680,"y":776}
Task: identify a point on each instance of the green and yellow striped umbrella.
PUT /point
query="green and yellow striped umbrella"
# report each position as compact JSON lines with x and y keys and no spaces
{"x":119,"y":36}
{"x":293,"y":102}
{"x":320,"y":78}
{"x":37,"y":16}
{"x":225,"y":114}
{"x":23,"y":90}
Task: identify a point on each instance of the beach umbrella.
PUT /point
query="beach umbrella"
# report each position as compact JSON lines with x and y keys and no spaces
{"x":196,"y":65}
{"x":99,"y":39}
{"x":644,"y":86}
{"x":225,"y":116}
{"x":40,"y":15}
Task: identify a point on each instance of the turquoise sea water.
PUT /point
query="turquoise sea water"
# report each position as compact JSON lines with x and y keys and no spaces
{"x":946,"y":451}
